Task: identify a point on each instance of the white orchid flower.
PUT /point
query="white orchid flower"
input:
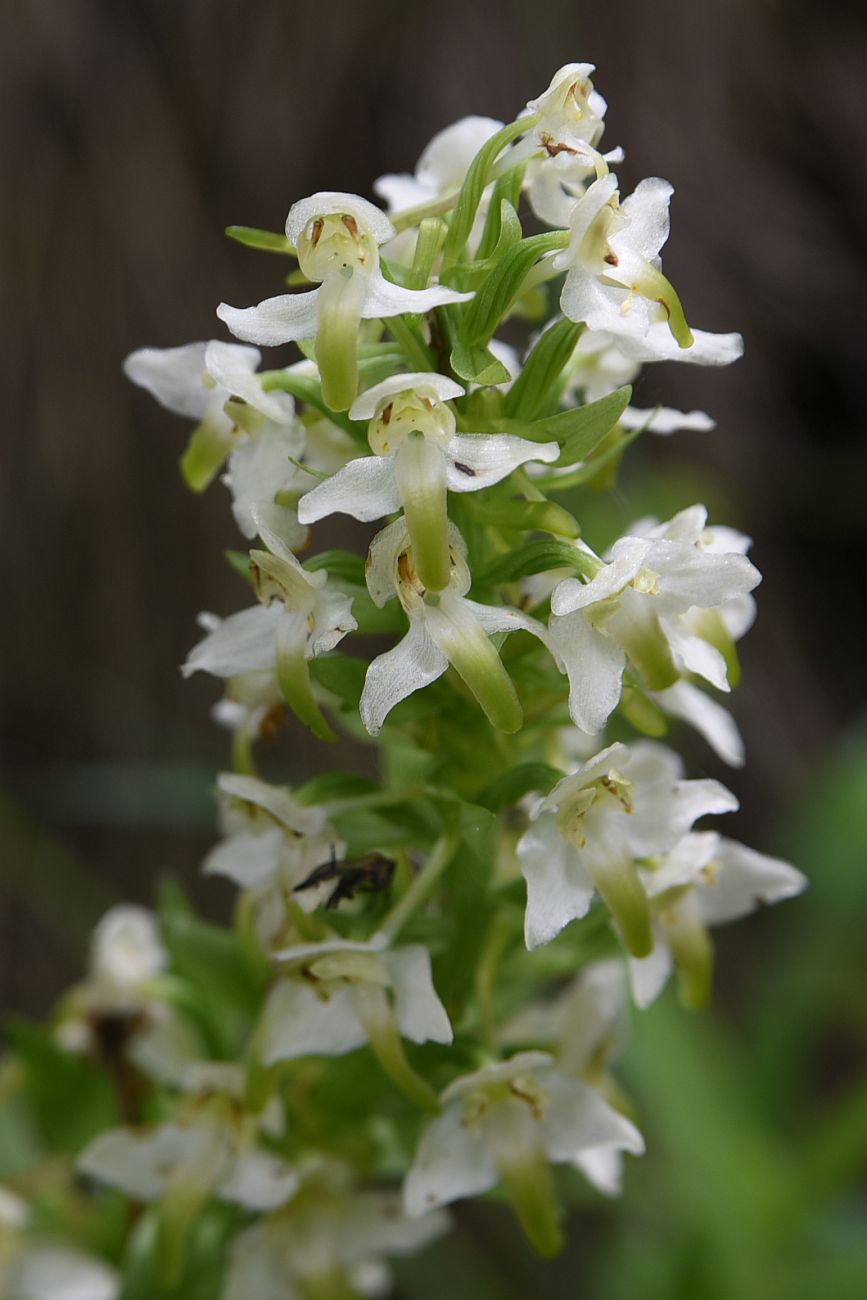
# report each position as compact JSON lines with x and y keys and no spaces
{"x":339,"y":995}
{"x":614,"y":282}
{"x":337,"y":238}
{"x":568,"y":119}
{"x":439,"y":172}
{"x":189,"y":1162}
{"x":445,"y":628}
{"x":331,"y":1235}
{"x":589,"y":833}
{"x":271,"y":844}
{"x":584,"y":1025}
{"x":418,"y":457}
{"x":704,"y":880}
{"x":506,"y":1122}
{"x":649,"y":604}
{"x":198,"y":380}
{"x":298,"y":619}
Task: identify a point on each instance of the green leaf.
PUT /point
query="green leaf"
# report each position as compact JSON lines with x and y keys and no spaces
{"x":239,"y":562}
{"x":580,"y":430}
{"x":334,"y":785}
{"x":584,"y":471}
{"x":343,"y":566}
{"x":477,"y":365}
{"x":342,"y":675}
{"x":528,"y":516}
{"x":472,"y":189}
{"x":537,"y":385}
{"x":223,"y":975}
{"x":536,"y":557}
{"x":503,"y":208}
{"x":429,"y":241}
{"x":268,"y":241}
{"x":469,"y":903}
{"x":505,"y":790}
{"x":71,"y":1100}
{"x":492,"y":302}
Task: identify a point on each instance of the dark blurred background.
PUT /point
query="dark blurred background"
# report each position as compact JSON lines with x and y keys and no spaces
{"x":133,"y":131}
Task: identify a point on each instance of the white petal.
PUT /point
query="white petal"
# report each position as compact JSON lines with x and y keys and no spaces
{"x":335,"y":202}
{"x":647,"y":210}
{"x":243,"y":643}
{"x":711,"y":720}
{"x":420,"y":1014}
{"x":414,"y":663}
{"x":745,"y":880}
{"x":692,"y":654}
{"x":332,"y":621}
{"x":649,"y":975}
{"x":277,"y":802}
{"x":445,"y":161}
{"x":260,"y":468}
{"x":259,"y":1181}
{"x":603,"y":1167}
{"x":665,"y":420}
{"x":690,"y":576}
{"x":476,"y":461}
{"x":284,"y":319}
{"x":58,"y":1273}
{"x":502,"y":618}
{"x":141,"y":1163}
{"x":626,"y":558}
{"x":594,"y":664}
{"x":658,"y":345}
{"x":249,"y":860}
{"x":576,"y":1118}
{"x":426,"y":383}
{"x":366,"y":489}
{"x":381,"y":568}
{"x":401,"y":191}
{"x":451,"y":1162}
{"x":382,"y":298}
{"x":297,"y":1022}
{"x":125,"y":948}
{"x":559,"y":888}
{"x":176,"y":377}
{"x":233,"y":366}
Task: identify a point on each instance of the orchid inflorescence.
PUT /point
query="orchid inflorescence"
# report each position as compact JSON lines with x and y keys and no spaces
{"x":393,"y":1004}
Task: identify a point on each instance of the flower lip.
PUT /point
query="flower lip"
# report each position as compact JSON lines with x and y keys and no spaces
{"x":327,"y":203}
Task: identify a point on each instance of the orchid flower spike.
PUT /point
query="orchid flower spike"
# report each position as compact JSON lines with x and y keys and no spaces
{"x":589,"y":833}
{"x":445,"y":627}
{"x":505,"y":1123}
{"x":337,"y":238}
{"x":418,"y":458}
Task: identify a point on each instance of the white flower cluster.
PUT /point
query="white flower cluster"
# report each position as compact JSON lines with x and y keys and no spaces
{"x":364,"y":968}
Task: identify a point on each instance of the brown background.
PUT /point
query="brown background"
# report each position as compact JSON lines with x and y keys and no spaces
{"x":133,"y":132}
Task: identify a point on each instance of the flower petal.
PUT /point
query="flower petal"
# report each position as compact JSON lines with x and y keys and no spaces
{"x":745,"y":880}
{"x":559,"y":888}
{"x":451,"y":1162}
{"x":176,"y":377}
{"x":382,"y":298}
{"x":711,"y":720}
{"x":594,"y":664}
{"x":476,"y":461}
{"x":420,"y":1014}
{"x":414,"y":663}
{"x":248,"y":860}
{"x":242,"y":643}
{"x":426,"y":383}
{"x":233,"y":366}
{"x":259,"y":1181}
{"x":366,"y":489}
{"x":284,"y":319}
{"x":576,"y":1118}
{"x":297,"y":1022}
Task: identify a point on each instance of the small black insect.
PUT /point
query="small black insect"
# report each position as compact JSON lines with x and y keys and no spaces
{"x":371,"y":874}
